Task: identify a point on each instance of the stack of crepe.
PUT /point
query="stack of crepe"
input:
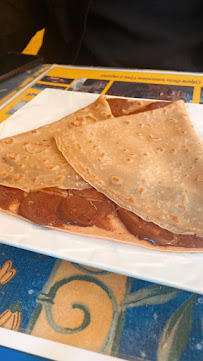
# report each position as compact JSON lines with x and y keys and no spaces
{"x":125,"y":170}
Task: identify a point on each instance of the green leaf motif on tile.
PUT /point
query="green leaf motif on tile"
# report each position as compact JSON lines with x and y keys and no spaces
{"x":155,"y":294}
{"x":176,"y":332}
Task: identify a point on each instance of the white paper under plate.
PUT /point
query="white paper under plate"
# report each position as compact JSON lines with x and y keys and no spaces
{"x":181,"y":270}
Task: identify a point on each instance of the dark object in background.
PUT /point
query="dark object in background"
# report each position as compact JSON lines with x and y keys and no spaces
{"x":12,"y":64}
{"x":163,"y":35}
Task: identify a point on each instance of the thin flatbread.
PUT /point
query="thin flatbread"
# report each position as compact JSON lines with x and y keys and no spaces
{"x":31,"y":161}
{"x":149,"y":163}
{"x":87,"y":212}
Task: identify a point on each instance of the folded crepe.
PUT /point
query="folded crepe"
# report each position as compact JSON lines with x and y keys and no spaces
{"x":150,"y":164}
{"x":114,"y":206}
{"x":31,"y":161}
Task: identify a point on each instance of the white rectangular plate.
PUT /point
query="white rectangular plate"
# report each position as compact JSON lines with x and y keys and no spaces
{"x":181,"y":270}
